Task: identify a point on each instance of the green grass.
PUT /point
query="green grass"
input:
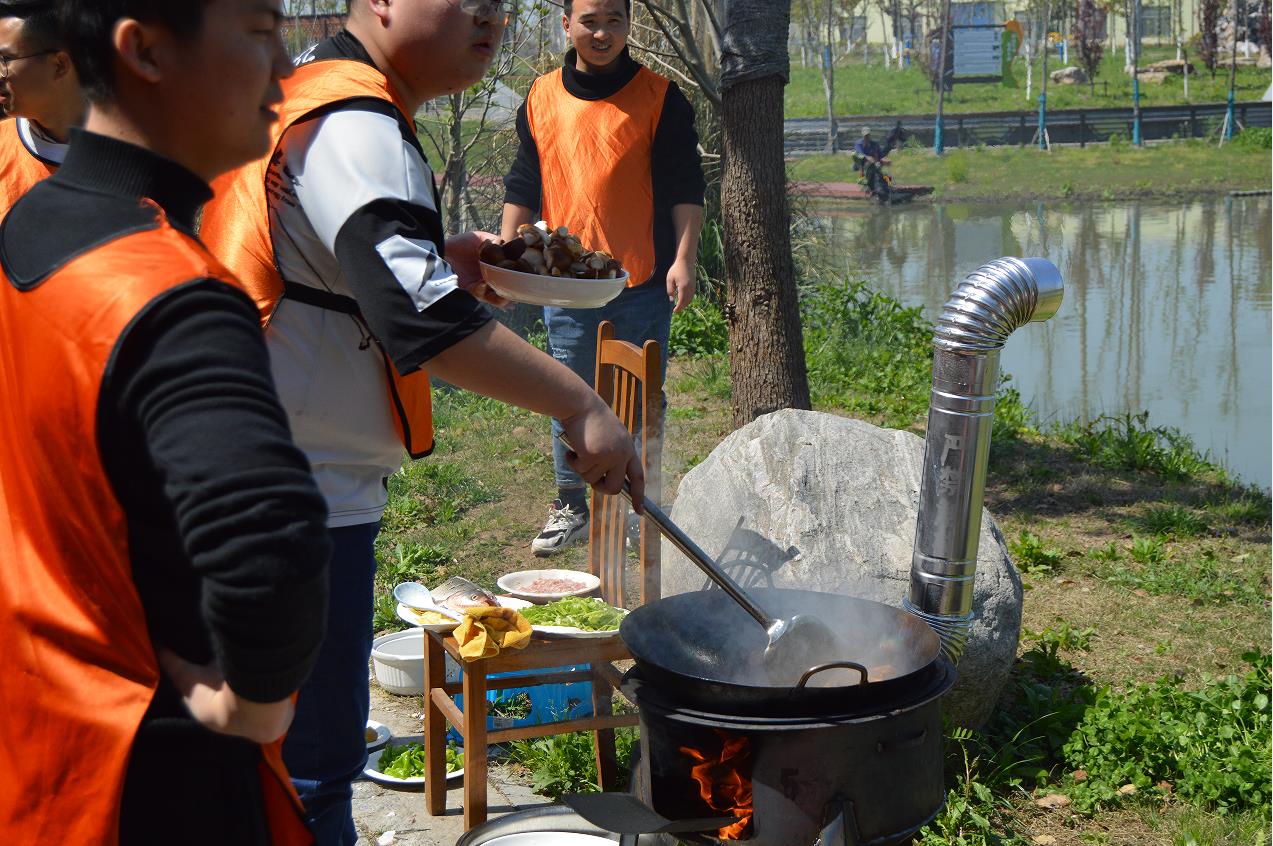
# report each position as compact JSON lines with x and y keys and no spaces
{"x":566,"y":763}
{"x":1176,"y":520}
{"x":876,"y":90}
{"x":1097,"y":172}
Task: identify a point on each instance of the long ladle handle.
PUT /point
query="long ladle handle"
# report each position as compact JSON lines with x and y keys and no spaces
{"x":695,"y":553}
{"x":692,"y":551}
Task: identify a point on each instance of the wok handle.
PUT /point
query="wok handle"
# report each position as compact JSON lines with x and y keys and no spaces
{"x":833,"y":665}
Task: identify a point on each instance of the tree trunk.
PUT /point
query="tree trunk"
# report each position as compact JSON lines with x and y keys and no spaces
{"x":828,"y":80}
{"x":454,"y":176}
{"x":766,"y":344}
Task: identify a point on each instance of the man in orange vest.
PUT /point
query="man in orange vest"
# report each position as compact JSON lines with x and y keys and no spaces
{"x":164,"y":556}
{"x":40,"y":89}
{"x":339,"y":236}
{"x":608,"y":150}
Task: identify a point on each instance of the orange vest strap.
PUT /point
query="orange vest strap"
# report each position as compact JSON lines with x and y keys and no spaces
{"x":236,"y":223}
{"x":610,"y":202}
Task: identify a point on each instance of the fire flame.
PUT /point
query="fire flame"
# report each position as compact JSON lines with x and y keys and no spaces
{"x":722,"y":784}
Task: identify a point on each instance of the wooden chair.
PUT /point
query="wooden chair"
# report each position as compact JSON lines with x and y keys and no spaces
{"x":631,"y":381}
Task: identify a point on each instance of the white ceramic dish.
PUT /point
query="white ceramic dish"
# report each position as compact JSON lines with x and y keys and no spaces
{"x":552,"y":290}
{"x":550,"y":838}
{"x":410,"y":615}
{"x":552,"y":632}
{"x":371,"y":772}
{"x":517,"y":584}
{"x":382,"y":735}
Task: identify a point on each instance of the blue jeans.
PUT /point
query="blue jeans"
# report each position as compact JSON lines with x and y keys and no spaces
{"x":325,"y":748}
{"x":639,"y":314}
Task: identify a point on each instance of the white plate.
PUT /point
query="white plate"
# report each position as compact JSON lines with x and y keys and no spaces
{"x":407,"y":614}
{"x":550,"y":838}
{"x":571,"y":631}
{"x":382,"y":734}
{"x":373,"y":761}
{"x":552,"y":290}
{"x":515,"y":583}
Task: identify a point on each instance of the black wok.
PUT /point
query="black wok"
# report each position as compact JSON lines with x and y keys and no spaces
{"x":706,"y":649}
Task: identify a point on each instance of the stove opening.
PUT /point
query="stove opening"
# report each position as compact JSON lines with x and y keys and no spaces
{"x":724,"y":781}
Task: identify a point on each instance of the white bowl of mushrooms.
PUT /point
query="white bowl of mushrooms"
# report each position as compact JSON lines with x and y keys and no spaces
{"x":550,"y":267}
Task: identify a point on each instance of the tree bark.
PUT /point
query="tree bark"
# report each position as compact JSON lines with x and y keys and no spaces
{"x":766,"y":344}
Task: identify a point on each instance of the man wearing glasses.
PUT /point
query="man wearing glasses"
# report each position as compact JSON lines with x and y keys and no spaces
{"x":339,"y":237}
{"x":38,"y":86}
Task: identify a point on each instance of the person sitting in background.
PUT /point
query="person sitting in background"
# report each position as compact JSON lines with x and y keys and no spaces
{"x":39,"y":88}
{"x":868,"y":157}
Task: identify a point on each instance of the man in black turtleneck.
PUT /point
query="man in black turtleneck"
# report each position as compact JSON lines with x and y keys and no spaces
{"x":608,"y":150}
{"x":164,"y":550}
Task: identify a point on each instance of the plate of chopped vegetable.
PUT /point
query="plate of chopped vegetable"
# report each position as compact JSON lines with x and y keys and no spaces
{"x":548,"y":585}
{"x":402,"y":765}
{"x":575,"y":616}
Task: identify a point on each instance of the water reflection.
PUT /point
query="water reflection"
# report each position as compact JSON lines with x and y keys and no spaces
{"x":1167,"y":305}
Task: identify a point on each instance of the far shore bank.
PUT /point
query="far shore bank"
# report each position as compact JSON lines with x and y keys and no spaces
{"x":1178,"y":170}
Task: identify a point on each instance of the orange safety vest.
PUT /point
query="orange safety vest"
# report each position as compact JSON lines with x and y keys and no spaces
{"x":78,"y":669}
{"x":19,"y":167}
{"x":594,"y":165}
{"x":236,"y":224}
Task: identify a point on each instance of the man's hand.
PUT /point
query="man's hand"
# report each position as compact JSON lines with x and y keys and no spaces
{"x":211,"y":701}
{"x":603,"y":453}
{"x":680,"y":284}
{"x":461,"y":253}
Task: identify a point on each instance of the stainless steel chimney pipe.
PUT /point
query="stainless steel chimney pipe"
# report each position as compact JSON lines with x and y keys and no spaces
{"x":989,"y":305}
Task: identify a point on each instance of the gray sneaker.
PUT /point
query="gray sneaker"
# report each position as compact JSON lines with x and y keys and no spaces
{"x":565,"y":526}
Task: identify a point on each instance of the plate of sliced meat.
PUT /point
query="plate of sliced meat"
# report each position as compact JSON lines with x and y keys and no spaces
{"x":548,"y":585}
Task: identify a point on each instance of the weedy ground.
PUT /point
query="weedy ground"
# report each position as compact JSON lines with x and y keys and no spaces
{"x":1138,"y":710}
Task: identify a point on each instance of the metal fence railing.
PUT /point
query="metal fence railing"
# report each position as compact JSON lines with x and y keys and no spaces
{"x":808,"y":136}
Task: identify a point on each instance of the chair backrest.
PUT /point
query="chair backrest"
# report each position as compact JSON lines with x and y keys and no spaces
{"x":630,"y":380}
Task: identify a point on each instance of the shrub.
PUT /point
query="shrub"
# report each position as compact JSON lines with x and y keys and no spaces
{"x":1128,"y":442}
{"x":1211,"y":745}
{"x":566,"y":763}
{"x":1032,"y":556}
{"x":1254,"y":138}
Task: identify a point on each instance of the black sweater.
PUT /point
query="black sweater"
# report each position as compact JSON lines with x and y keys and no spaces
{"x":675,"y":167}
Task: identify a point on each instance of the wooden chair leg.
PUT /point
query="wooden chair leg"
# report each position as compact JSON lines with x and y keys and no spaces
{"x":434,"y":728}
{"x":603,"y":739}
{"x":474,"y":687}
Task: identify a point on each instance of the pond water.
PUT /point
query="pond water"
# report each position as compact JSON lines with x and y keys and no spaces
{"x":1167,"y":305}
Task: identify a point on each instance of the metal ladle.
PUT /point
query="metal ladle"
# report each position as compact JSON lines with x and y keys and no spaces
{"x":794,"y":645}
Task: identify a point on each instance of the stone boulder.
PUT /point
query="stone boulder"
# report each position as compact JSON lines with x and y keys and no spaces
{"x":1069,"y":76}
{"x":1174,"y":66}
{"x":802,"y":499}
{"x":1152,"y":77}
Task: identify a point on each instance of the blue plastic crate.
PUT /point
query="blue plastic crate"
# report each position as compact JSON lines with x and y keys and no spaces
{"x":549,"y":703}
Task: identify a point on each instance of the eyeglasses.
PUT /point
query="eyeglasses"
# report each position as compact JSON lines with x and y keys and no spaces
{"x":5,"y":61}
{"x":486,"y":8}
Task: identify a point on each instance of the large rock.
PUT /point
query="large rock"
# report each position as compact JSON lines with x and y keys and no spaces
{"x":1173,"y":66}
{"x":1069,"y":76}
{"x":808,"y":500}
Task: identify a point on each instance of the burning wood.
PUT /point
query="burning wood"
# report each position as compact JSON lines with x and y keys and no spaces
{"x":724,"y":782}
